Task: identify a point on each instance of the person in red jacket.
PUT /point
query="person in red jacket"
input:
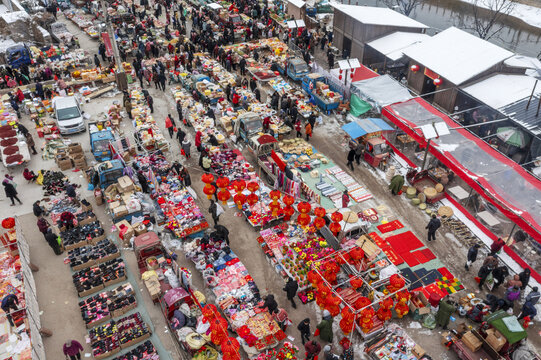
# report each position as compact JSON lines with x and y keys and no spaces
{"x":312,"y":348}
{"x":266,"y":123}
{"x":68,"y":220}
{"x":496,"y":246}
{"x":169,"y":125}
{"x":198,"y":136}
{"x":72,"y":349}
{"x":236,"y":100}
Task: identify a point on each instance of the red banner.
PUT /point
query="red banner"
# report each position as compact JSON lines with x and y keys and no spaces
{"x":278,"y":161}
{"x":107,"y":43}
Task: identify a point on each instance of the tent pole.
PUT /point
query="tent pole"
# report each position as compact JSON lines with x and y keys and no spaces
{"x":531,"y":95}
{"x":426,"y":154}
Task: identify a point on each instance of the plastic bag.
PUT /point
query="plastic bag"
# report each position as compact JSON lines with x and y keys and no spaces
{"x":429,"y":321}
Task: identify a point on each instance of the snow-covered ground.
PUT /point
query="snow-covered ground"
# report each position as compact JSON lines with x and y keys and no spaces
{"x":529,"y":14}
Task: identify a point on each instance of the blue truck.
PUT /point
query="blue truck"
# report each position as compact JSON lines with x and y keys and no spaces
{"x":296,"y":68}
{"x":317,"y":86}
{"x":100,"y":141}
{"x":107,"y":173}
{"x":17,"y":55}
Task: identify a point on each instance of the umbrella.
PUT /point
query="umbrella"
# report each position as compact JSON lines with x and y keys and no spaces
{"x":512,"y":136}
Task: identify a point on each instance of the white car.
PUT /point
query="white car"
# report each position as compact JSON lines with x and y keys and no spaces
{"x":68,"y":115}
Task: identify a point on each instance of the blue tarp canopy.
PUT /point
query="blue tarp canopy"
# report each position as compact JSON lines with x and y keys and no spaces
{"x":360,"y":127}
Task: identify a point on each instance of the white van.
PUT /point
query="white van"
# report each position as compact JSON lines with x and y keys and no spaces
{"x":68,"y":115}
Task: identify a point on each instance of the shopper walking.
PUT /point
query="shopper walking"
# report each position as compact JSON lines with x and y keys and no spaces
{"x":30,"y":143}
{"x":433,"y":225}
{"x":304,"y":328}
{"x":524,"y":278}
{"x":43,"y":226}
{"x":150,"y":102}
{"x":186,"y":147}
{"x":483,"y":273}
{"x":308,"y":131}
{"x":351,"y":158}
{"x":215,"y":211}
{"x":534,"y":295}
{"x":169,"y":126}
{"x":52,"y":240}
{"x":496,"y":246}
{"x":445,"y":310}
{"x":291,"y":290}
{"x":312,"y":349}
{"x":9,"y":188}
{"x":324,"y":328}
{"x":359,"y":150}
{"x":298,"y":128}
{"x":72,"y":349}
{"x":472,"y":255}
{"x":179,"y":111}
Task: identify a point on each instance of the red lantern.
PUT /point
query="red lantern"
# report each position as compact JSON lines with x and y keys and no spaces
{"x":340,"y":71}
{"x":414,"y":68}
{"x":384,"y":314}
{"x":351,"y":75}
{"x":222,"y":182}
{"x":253,"y":186}
{"x":335,"y":228}
{"x":304,"y":207}
{"x":396,"y":283}
{"x":386,"y":303}
{"x":210,"y":311}
{"x":223,"y":196}
{"x":319,"y":223}
{"x":303,"y":219}
{"x":288,"y":200}
{"x":356,"y":253}
{"x":239,"y":199}
{"x":339,"y":77}
{"x":239,"y":185}
{"x":288,"y":212}
{"x":230,"y":346}
{"x":347,"y":313}
{"x":313,"y":277}
{"x":337,"y":216}
{"x":319,"y":212}
{"x":8,"y":223}
{"x":356,"y":283}
{"x":275,"y":207}
{"x":401,"y":309}
{"x":209,"y":190}
{"x":362,"y":302}
{"x":438,"y":82}
{"x":346,"y":326}
{"x":207,"y":178}
{"x":252,"y":199}
{"x":275,"y":195}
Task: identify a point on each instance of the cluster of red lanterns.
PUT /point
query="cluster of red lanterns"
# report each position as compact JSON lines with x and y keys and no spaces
{"x":335,"y":226}
{"x":230,"y":349}
{"x":252,"y":186}
{"x":396,"y":282}
{"x":303,"y":208}
{"x":401,"y":308}
{"x":218,"y":325}
{"x":275,"y":195}
{"x":384,"y":311}
{"x":348,"y":320}
{"x":223,"y":194}
{"x":239,"y":198}
{"x":319,"y":221}
{"x":366,"y":321}
{"x":288,"y":209}
{"x":209,"y":189}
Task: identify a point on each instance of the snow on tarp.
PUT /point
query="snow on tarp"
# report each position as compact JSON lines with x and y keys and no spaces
{"x":377,"y":16}
{"x":457,"y":55}
{"x":297,"y":3}
{"x":380,"y":91}
{"x":500,"y":90}
{"x":504,"y":183}
{"x":392,"y":45}
{"x":15,"y":16}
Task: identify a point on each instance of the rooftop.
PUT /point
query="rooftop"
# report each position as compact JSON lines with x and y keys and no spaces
{"x":457,"y":55}
{"x":392,"y":45}
{"x":378,"y":16}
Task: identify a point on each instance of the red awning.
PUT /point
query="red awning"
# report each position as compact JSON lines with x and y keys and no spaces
{"x":498,"y":179}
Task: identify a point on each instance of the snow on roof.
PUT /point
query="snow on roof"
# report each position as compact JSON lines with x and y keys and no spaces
{"x":297,"y":3}
{"x":392,"y":45}
{"x":457,"y":55}
{"x":378,"y":16}
{"x":500,"y":90}
{"x":12,"y":17}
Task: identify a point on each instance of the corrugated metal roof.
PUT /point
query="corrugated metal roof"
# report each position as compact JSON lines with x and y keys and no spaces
{"x":526,"y":118}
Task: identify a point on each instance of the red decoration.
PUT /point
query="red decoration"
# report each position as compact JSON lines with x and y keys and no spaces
{"x":319,"y":222}
{"x":209,"y":190}
{"x":230,"y":346}
{"x":319,"y":212}
{"x":304,"y":207}
{"x":356,"y":253}
{"x":340,"y":71}
{"x":356,"y":282}
{"x":222,"y":182}
{"x":346,"y":326}
{"x":362,"y":302}
{"x":239,"y":185}
{"x":351,"y":75}
{"x":239,"y":199}
{"x":337,"y":216}
{"x":223,"y":196}
{"x":8,"y":223}
{"x":288,"y":200}
{"x":253,"y":186}
{"x":252,"y":199}
{"x":303,"y":219}
{"x":275,"y":207}
{"x":438,"y":81}
{"x":335,"y":228}
{"x":207,"y":178}
{"x":275,"y":194}
{"x":339,"y":77}
{"x":288,"y":212}
{"x":414,"y":68}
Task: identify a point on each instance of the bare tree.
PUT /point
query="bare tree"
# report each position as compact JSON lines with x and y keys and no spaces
{"x":489,"y":16}
{"x":403,"y":6}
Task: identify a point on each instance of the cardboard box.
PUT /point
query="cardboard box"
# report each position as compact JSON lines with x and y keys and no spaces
{"x":65,"y":164}
{"x":495,"y":339}
{"x":417,"y":298}
{"x":418,"y":351}
{"x":445,"y":337}
{"x":111,"y":192}
{"x":139,"y":229}
{"x":129,"y":232}
{"x":113,"y":205}
{"x":471,"y":341}
{"x":125,"y":184}
{"x":120,"y":211}
{"x":75,"y":148}
{"x":87,"y":220}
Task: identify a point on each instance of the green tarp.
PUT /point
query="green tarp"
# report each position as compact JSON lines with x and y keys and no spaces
{"x":497,"y":321}
{"x":358,"y":106}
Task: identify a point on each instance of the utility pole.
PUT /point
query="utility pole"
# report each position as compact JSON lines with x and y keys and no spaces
{"x":120,"y":74}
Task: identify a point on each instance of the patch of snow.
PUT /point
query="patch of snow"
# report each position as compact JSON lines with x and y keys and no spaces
{"x":447,"y":147}
{"x":452,"y":237}
{"x":529,"y":14}
{"x":6,"y":43}
{"x":15,"y":16}
{"x":414,"y":325}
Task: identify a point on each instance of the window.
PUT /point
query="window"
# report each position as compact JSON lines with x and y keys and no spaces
{"x":68,"y":113}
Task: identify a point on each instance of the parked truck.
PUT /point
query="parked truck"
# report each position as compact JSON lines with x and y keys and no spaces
{"x":247,"y":125}
{"x":60,"y":32}
{"x":294,"y":67}
{"x":16,"y":56}
{"x":107,"y":173}
{"x":326,"y":96}
{"x":100,"y":141}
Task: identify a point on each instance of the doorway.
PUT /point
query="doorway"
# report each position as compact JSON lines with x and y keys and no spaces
{"x":346,"y":47}
{"x":428,"y":87}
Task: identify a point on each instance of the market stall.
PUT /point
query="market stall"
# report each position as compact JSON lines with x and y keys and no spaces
{"x":148,"y":134}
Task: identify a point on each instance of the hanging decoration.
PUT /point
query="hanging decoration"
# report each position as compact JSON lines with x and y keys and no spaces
{"x":275,"y":195}
{"x":366,"y":321}
{"x":414,"y":68}
{"x":239,"y":199}
{"x":438,"y":82}
{"x":223,"y":194}
{"x":319,"y":221}
{"x":208,"y":189}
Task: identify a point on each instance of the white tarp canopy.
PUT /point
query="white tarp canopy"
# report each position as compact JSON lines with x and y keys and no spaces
{"x":297,"y":3}
{"x":457,"y":55}
{"x":392,"y":45}
{"x":292,"y":24}
{"x":215,"y":6}
{"x":377,"y":16}
{"x":500,"y":90}
{"x":380,"y":91}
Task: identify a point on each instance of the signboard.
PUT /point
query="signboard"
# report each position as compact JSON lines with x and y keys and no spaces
{"x":431,"y":74}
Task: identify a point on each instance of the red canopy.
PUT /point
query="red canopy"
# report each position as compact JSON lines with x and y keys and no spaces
{"x":497,"y":178}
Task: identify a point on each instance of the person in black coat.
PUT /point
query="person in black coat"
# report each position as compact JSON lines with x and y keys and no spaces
{"x":222,"y":233}
{"x":483,"y":273}
{"x":304,"y":328}
{"x":52,"y":240}
{"x":270,"y":304}
{"x":472,"y":255}
{"x":351,"y":159}
{"x":10,"y":190}
{"x":524,"y":278}
{"x":143,"y":182}
{"x":499,"y":274}
{"x":433,"y":225}
{"x":291,"y":290}
{"x":180,"y":135}
{"x":253,"y":84}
